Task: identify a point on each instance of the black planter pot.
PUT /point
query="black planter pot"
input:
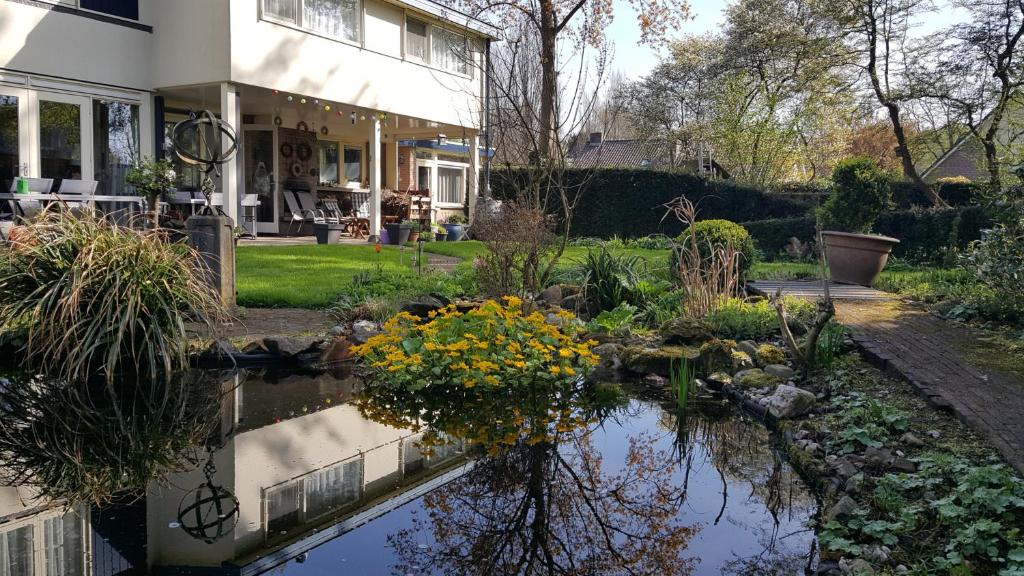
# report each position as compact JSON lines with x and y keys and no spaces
{"x":398,"y":234}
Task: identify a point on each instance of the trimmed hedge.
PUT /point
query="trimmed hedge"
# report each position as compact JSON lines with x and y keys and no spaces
{"x":905,"y":195}
{"x":630,"y":202}
{"x":925,"y":235}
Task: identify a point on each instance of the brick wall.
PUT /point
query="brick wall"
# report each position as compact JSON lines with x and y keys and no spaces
{"x":406,"y":167}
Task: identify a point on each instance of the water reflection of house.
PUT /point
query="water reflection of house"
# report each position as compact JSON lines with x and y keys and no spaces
{"x":299,"y":469}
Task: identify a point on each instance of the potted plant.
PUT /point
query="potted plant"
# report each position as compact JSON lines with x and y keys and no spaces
{"x":151,"y":178}
{"x":440,"y":233}
{"x":861,"y":191}
{"x":398,"y":232}
{"x":414,"y":229}
{"x":456,"y":227}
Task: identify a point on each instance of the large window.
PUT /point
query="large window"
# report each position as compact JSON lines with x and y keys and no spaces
{"x":328,"y":152}
{"x":60,"y":141}
{"x":445,"y":49}
{"x":451,"y":185}
{"x":16,"y":552}
{"x":353,"y":164}
{"x":122,"y":8}
{"x":315,"y":494}
{"x":339,"y":19}
{"x":115,"y":139}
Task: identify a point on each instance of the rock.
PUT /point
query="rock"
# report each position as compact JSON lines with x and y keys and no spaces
{"x":844,"y":507}
{"x":286,"y":346}
{"x":685,"y":331}
{"x":770,"y":354}
{"x":878,"y":457}
{"x":718,"y":380}
{"x":934,"y":434}
{"x":812,"y":447}
{"x":903,"y":465}
{"x":910,"y":440}
{"x":337,"y":351}
{"x":424,"y":305}
{"x":222,"y":347}
{"x":741,"y":361}
{"x":844,"y":467}
{"x":876,"y":553}
{"x":856,"y":567}
{"x":363,"y":330}
{"x":716,"y":354}
{"x":655,"y":381}
{"x":779,"y":371}
{"x":753,"y":378}
{"x":648,"y":360}
{"x":572,"y":303}
{"x":337,"y":330}
{"x":552,"y":295}
{"x":748,"y":347}
{"x":610,"y":365}
{"x":789,"y":402}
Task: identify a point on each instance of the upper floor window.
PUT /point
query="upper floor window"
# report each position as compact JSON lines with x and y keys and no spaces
{"x":128,"y":9}
{"x":333,"y":18}
{"x":437,"y":46}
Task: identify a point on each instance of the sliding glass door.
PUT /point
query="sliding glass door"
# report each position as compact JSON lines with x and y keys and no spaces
{"x":258,"y":162}
{"x":14,"y":136}
{"x":64,"y":152}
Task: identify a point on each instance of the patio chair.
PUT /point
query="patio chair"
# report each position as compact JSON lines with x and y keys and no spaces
{"x":77,"y":194}
{"x":332,"y":212}
{"x":308,"y":204}
{"x":358,"y":220}
{"x":29,"y":208}
{"x":298,"y":214}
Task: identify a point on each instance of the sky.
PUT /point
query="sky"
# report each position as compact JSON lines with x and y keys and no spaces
{"x":707,"y":15}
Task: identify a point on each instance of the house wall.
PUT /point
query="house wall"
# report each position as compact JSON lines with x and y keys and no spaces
{"x":968,"y":160}
{"x":37,"y":40}
{"x":277,"y":56}
{"x":191,"y":42}
{"x":406,"y":167}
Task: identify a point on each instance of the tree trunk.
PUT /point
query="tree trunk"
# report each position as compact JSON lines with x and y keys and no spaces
{"x":907,"y":160}
{"x":549,"y":79}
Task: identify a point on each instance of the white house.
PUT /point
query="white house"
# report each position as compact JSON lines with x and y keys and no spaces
{"x":319,"y":91}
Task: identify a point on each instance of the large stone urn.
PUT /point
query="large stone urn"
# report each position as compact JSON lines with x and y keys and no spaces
{"x":856,"y":258}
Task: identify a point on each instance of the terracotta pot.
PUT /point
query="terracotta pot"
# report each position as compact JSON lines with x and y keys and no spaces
{"x":856,"y":258}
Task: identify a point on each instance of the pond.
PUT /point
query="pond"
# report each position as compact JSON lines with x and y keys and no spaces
{"x":324,"y":484}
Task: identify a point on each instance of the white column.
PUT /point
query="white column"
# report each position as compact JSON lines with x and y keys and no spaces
{"x":473,"y":175}
{"x":375,"y":191}
{"x":231,"y":112}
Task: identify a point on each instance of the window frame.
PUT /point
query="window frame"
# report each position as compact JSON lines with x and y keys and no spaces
{"x":76,"y":4}
{"x":446,"y":165}
{"x":298,"y":25}
{"x":429,"y":52}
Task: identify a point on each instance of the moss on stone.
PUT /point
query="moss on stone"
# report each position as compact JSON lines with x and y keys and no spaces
{"x":741,"y":360}
{"x":657,"y":360}
{"x":770,"y":354}
{"x":754,"y":378}
{"x":716,"y":355}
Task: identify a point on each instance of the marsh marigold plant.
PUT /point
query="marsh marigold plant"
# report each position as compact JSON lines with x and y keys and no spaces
{"x":491,"y":375}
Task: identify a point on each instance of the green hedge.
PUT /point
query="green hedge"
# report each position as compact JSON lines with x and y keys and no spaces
{"x":630,"y":203}
{"x":905,"y":195}
{"x":925,"y":235}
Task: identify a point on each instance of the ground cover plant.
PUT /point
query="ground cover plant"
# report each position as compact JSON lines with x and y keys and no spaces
{"x":959,"y":512}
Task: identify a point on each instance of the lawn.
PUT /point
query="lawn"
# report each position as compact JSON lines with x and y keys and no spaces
{"x":306,"y":276}
{"x":470,"y":249}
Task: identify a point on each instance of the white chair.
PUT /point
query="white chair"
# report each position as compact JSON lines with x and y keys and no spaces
{"x":250,"y":206}
{"x":359,"y":219}
{"x":332,"y":212}
{"x":298,"y":213}
{"x":78,"y":193}
{"x":29,"y":208}
{"x":308,"y":204}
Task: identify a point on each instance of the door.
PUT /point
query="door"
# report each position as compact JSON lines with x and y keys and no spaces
{"x":15,"y":138}
{"x":258,"y":162}
{"x":63,"y":131}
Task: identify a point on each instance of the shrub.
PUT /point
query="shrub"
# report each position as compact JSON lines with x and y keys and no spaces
{"x":95,"y":298}
{"x":738,"y":319}
{"x":521,"y":249}
{"x":630,"y":202}
{"x":998,"y":257}
{"x":711,"y":233}
{"x":482,"y":368}
{"x":861,"y":193}
{"x":708,"y":275}
{"x":610,"y":280}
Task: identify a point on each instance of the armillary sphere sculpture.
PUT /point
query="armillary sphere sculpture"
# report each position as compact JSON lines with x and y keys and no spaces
{"x":208,"y":512}
{"x":207,"y":133}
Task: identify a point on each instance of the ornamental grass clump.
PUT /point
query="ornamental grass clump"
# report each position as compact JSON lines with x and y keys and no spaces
{"x":491,"y":375}
{"x":95,"y":299}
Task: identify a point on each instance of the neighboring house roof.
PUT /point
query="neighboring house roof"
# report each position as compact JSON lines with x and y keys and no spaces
{"x":597,"y":152}
{"x":965,"y":157}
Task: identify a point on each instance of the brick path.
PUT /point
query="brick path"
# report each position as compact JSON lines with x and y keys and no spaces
{"x":927,"y":351}
{"x":442,"y":263}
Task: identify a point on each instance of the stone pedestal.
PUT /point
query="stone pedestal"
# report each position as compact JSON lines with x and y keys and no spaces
{"x":213,"y":237}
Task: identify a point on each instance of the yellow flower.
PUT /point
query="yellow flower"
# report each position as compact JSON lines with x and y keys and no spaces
{"x":565,"y":353}
{"x":469,"y":382}
{"x":555,"y":370}
{"x":491,"y":380}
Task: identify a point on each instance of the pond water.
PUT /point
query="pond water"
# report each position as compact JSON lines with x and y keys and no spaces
{"x":321,"y":488}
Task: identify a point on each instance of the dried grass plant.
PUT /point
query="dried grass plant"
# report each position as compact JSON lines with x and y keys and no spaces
{"x":708,"y":281}
{"x":97,"y":299}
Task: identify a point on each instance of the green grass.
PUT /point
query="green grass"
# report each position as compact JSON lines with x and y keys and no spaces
{"x":470,"y":249}
{"x":306,"y":276}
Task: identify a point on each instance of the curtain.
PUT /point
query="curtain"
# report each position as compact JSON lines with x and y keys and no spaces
{"x":282,"y":9}
{"x":324,"y":490}
{"x":335,"y":18}
{"x":16,"y":552}
{"x":416,"y":39}
{"x":353,"y":164}
{"x":64,"y":545}
{"x":448,"y":50}
{"x":449,"y":183}
{"x":283,"y":508}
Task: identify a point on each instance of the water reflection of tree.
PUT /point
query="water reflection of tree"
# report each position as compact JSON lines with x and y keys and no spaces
{"x":549,"y":508}
{"x":541,"y":502}
{"x":97,"y":442}
{"x":740,"y":451}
